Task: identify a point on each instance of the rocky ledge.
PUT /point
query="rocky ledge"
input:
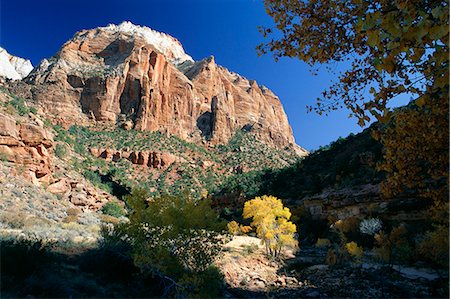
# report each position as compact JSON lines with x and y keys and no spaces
{"x":157,"y":160}
{"x":28,"y":144}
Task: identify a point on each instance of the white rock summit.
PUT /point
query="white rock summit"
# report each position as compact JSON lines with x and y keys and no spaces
{"x":168,"y":45}
{"x":13,"y":67}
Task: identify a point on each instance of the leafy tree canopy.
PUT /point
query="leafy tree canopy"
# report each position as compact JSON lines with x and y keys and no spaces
{"x":176,"y":238}
{"x":392,"y":47}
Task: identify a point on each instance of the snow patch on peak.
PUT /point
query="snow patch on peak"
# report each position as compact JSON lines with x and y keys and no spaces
{"x":13,"y":67}
{"x":165,"y":43}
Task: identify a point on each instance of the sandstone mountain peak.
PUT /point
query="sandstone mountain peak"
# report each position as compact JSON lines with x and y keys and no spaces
{"x":139,"y":78}
{"x":13,"y":67}
{"x":166,"y":44}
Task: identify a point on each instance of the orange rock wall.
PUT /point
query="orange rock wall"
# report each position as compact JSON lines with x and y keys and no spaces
{"x":101,"y":76}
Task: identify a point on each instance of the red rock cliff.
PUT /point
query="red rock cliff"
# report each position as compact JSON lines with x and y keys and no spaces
{"x":133,"y":73}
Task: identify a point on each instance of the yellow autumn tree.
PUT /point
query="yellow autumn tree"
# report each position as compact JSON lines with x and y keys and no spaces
{"x":271,"y":220}
{"x":235,"y":228}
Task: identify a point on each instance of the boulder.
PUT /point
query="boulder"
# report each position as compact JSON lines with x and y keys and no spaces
{"x":42,"y":150}
{"x":106,"y":154}
{"x":259,"y":284}
{"x":9,"y":141}
{"x":33,"y":135}
{"x":8,"y":127}
{"x":79,"y":199}
{"x":167,"y":159}
{"x":125,"y":154}
{"x":94,"y":151}
{"x":60,"y":187}
{"x":206,"y":164}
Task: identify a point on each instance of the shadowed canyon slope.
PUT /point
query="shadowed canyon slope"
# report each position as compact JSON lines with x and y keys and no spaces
{"x":144,"y":80}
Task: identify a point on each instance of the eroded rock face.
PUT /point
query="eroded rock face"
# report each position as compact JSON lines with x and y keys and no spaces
{"x":79,"y":193}
{"x":27,"y":144}
{"x":105,"y":73}
{"x":157,"y":160}
{"x":362,"y":201}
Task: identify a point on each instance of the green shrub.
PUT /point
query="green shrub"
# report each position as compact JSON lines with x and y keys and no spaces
{"x":3,"y":157}
{"x":113,"y":209}
{"x":78,"y":148}
{"x":19,"y":105}
{"x":96,"y":180}
{"x":93,"y":177}
{"x":47,"y":123}
{"x":60,"y":151}
{"x":174,"y":237}
{"x":62,"y":135}
{"x":33,"y":110}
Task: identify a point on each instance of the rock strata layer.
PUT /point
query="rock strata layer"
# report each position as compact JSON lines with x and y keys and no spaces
{"x":29,"y":145}
{"x":157,"y":160}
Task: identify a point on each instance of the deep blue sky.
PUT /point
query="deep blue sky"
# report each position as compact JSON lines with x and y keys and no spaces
{"x":226,"y":29}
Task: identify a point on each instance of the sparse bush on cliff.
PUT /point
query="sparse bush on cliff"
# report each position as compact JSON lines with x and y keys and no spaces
{"x":4,"y":157}
{"x":19,"y":105}
{"x":62,"y":135}
{"x":113,"y":209}
{"x":96,"y":180}
{"x":60,"y":151}
{"x":243,"y":151}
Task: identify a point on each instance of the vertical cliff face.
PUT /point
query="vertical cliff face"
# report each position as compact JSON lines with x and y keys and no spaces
{"x":134,"y":73}
{"x":238,"y":103}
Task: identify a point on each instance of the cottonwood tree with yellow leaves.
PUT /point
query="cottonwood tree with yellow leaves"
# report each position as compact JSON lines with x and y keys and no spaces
{"x":271,"y":220}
